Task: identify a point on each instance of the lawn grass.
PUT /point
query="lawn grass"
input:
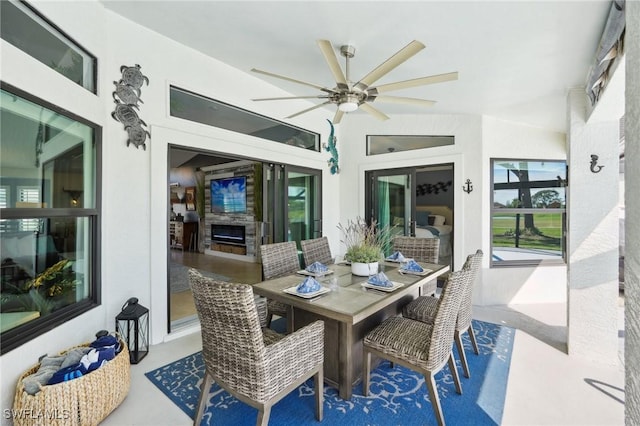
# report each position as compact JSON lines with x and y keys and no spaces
{"x":549,"y":226}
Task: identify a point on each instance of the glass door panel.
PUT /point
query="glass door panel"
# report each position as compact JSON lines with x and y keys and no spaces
{"x":303,"y":200}
{"x":292,"y":200}
{"x":391,"y":199}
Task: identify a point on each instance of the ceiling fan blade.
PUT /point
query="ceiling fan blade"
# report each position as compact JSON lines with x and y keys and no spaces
{"x":402,"y":55}
{"x":371,"y":110}
{"x":334,"y":65}
{"x":422,"y":81}
{"x":338,"y":117}
{"x":282,"y":77}
{"x":403,"y":100}
{"x":292,"y":97}
{"x":308,"y":109}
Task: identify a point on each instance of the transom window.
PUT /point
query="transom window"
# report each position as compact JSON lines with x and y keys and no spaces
{"x":528,"y":219}
{"x":193,"y":107}
{"x":30,"y":32}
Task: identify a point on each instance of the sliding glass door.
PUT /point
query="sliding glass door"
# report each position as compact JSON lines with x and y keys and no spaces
{"x":292,"y":200}
{"x":391,"y":199}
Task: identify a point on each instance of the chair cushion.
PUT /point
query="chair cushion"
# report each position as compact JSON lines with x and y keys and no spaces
{"x":422,"y":309}
{"x":402,"y":338}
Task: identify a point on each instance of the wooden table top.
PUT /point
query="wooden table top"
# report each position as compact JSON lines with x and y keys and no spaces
{"x":349,"y":301}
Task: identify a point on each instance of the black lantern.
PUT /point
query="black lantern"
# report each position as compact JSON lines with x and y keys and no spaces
{"x":133,"y":325}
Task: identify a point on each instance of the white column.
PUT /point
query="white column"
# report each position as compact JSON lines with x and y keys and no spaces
{"x":592,"y":240}
{"x":632,"y":220}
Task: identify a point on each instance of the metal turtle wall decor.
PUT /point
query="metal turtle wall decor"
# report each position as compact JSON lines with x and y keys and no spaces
{"x":127,"y":99}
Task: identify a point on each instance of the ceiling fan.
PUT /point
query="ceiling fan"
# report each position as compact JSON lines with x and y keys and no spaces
{"x":350,"y":96}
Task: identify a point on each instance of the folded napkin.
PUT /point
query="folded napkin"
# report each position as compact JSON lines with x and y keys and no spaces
{"x":309,"y":285}
{"x":380,"y":279}
{"x":397,"y":256}
{"x":412,"y":266}
{"x":316,"y":267}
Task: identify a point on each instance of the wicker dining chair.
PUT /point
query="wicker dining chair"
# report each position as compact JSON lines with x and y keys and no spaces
{"x":424,"y":309}
{"x":425,"y":348}
{"x":256,"y":365}
{"x":421,"y":250}
{"x":316,"y":250}
{"x":278,"y":259}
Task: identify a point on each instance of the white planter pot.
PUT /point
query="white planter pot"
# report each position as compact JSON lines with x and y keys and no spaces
{"x":364,"y":269}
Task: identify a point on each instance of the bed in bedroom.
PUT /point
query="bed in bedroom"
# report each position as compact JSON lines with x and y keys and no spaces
{"x":436,"y":222}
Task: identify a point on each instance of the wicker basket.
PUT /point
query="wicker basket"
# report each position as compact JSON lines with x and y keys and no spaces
{"x":86,"y":400}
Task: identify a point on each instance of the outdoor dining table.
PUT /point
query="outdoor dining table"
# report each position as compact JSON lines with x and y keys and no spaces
{"x":349,"y":312}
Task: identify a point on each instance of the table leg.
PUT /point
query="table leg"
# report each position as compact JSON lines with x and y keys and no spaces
{"x":346,"y":360}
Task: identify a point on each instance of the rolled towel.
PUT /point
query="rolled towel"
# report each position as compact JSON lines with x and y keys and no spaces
{"x":48,"y":366}
{"x":107,"y":341}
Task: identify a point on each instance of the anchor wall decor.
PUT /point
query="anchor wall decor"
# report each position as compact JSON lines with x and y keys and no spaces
{"x":127,"y":98}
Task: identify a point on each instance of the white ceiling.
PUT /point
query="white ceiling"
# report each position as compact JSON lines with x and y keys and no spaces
{"x":516,"y":60}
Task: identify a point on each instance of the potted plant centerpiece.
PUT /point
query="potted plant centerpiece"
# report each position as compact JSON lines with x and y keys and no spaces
{"x":366,"y":245}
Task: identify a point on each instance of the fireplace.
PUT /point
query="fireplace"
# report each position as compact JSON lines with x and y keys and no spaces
{"x":230,"y":234}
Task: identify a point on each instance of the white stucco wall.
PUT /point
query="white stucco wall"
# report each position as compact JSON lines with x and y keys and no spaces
{"x":592,"y":241}
{"x":507,"y":285}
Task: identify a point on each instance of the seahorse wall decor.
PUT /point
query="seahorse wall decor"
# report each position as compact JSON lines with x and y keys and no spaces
{"x":331,"y":147}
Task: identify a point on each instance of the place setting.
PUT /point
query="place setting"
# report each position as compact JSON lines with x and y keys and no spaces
{"x":412,"y":267}
{"x":307,"y":289}
{"x":316,"y":269}
{"x":380,"y":282}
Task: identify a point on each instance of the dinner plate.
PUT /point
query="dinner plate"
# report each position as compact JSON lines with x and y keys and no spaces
{"x":421,"y":274}
{"x":314,"y":274}
{"x":395,"y":286}
{"x":293,"y":290}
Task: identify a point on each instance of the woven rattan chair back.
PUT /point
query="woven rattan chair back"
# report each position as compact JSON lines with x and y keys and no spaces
{"x":421,"y":249}
{"x":259,"y":367}
{"x":473,"y":263}
{"x":231,"y":334}
{"x":444,"y":323}
{"x":279,"y":259}
{"x":316,"y":250}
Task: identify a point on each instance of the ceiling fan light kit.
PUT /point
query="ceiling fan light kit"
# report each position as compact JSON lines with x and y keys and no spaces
{"x":350,"y":96}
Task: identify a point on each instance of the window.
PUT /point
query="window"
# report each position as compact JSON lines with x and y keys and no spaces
{"x":193,"y":107}
{"x":27,"y":30}
{"x":528,"y":212}
{"x":49,"y":208}
{"x":379,"y":144}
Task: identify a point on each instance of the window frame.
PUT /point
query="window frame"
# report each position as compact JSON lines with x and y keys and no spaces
{"x":57,"y":32}
{"x":22,"y":334}
{"x":562,"y":260}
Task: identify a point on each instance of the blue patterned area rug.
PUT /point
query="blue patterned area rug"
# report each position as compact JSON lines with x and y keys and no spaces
{"x":398,"y":396}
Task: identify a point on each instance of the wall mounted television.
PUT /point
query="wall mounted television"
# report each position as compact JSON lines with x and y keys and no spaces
{"x":229,"y":195}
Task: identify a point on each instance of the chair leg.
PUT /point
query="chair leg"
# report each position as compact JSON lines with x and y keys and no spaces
{"x":269,"y":318}
{"x":472,"y":336}
{"x":433,"y":396}
{"x":202,"y":400}
{"x":463,"y":356}
{"x":263,"y":416}
{"x":454,"y":373}
{"x":366,"y":365}
{"x":319,"y":389}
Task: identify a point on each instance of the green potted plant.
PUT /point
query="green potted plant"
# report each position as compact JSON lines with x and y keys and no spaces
{"x":366,"y":245}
